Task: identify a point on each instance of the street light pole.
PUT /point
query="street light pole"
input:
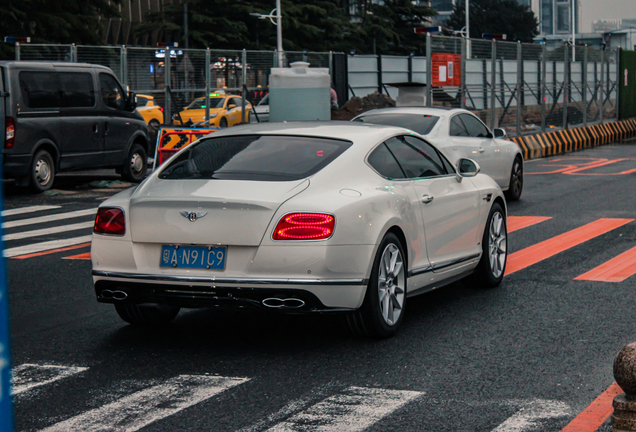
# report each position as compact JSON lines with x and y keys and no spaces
{"x":467,"y":19}
{"x":279,"y":33}
{"x":573,"y":30}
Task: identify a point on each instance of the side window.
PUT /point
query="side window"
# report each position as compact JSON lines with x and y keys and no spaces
{"x":384,"y":163}
{"x":77,"y":90}
{"x":40,"y":89}
{"x":415,"y":162}
{"x":429,"y":152}
{"x":239,"y":102}
{"x":457,"y":127}
{"x":447,"y":165}
{"x":475,"y":127}
{"x":112,"y":93}
{"x":142,"y":101}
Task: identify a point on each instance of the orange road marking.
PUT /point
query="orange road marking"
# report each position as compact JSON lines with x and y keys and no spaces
{"x":596,"y":413}
{"x":83,"y":245}
{"x":519,"y":222}
{"x":82,"y":256}
{"x":548,"y":248}
{"x":615,"y":270}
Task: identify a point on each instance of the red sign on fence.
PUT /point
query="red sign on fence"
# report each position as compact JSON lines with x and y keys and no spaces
{"x":447,"y":70}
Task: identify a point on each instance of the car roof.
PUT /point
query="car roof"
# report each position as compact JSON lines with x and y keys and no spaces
{"x":440,"y":112}
{"x":344,"y":130}
{"x":50,"y":65}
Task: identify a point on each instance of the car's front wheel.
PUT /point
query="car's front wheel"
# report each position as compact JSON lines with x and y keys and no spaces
{"x":515,"y":187}
{"x":383,"y":308}
{"x":146,"y":315}
{"x":492,"y":266}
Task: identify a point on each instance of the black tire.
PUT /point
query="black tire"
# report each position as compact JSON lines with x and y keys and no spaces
{"x":515,"y":186}
{"x":136,"y":165}
{"x":223,"y":123}
{"x":154,"y":123}
{"x":139,"y":315}
{"x":485,"y":275}
{"x":369,"y":320}
{"x":42,"y":173}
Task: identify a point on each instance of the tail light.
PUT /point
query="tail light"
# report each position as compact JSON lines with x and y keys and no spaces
{"x":161,"y":109}
{"x":9,"y":128}
{"x":305,"y":226}
{"x":110,"y":220}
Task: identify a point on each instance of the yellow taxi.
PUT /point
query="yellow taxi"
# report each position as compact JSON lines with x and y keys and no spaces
{"x":152,"y":113}
{"x":225,"y":110}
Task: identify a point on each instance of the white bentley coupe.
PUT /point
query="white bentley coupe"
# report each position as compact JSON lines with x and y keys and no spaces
{"x":302,"y":218}
{"x":458,"y":133}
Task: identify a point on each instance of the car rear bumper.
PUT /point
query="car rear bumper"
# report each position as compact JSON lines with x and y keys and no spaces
{"x":284,"y":295}
{"x":16,"y":165}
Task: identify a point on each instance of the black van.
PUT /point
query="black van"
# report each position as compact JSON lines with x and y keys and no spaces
{"x":69,"y":116}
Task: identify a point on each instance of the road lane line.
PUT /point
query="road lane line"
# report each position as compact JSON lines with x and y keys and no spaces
{"x":30,"y":209}
{"x":49,"y":218}
{"x":29,"y":376}
{"x":354,"y":409}
{"x":530,"y":416}
{"x":615,"y":270}
{"x":45,"y":246}
{"x":147,"y":406}
{"x":548,"y":248}
{"x":516,"y":223}
{"x":596,"y":413}
{"x":52,"y":251}
{"x":47,"y":231}
{"x":82,"y":256}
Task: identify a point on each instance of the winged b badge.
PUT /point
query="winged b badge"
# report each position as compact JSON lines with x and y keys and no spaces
{"x":193,"y":216}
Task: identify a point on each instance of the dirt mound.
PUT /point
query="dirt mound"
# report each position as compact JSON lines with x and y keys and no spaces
{"x":356,"y":105}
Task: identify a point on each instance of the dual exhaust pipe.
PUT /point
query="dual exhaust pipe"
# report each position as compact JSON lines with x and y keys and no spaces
{"x":115,"y":295}
{"x":287,"y":303}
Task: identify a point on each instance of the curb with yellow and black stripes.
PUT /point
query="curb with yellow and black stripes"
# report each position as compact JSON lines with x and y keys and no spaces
{"x":562,"y":141}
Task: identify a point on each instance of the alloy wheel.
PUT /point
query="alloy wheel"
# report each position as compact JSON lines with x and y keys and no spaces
{"x":516,"y":180}
{"x":497,"y":245}
{"x":391,"y":284}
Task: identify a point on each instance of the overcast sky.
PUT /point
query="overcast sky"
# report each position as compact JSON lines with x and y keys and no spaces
{"x":592,"y":10}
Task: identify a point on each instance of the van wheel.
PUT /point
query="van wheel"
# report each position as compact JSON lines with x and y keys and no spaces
{"x":42,"y":171}
{"x":134,"y":170}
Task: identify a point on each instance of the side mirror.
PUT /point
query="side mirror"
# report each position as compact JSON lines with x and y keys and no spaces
{"x":468,"y":168}
{"x":499,"y":133}
{"x":131,"y":102}
{"x":230,"y":106}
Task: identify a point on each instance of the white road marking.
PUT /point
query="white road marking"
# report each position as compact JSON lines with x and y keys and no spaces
{"x":531,"y":414}
{"x":47,"y":231}
{"x":140,"y":409}
{"x":29,"y":209}
{"x":354,"y":409}
{"x":49,"y":218}
{"x":28,"y":376}
{"x":45,"y":246}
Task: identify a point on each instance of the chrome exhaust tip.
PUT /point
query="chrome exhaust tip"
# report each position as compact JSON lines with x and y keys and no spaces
{"x":115,"y":295}
{"x":288,"y":303}
{"x":119,"y":295}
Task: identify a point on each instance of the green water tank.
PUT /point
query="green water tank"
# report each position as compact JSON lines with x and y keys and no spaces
{"x":299,"y":93}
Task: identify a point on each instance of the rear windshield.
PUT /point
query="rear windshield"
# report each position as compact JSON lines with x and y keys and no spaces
{"x":254,"y":157}
{"x":422,"y":124}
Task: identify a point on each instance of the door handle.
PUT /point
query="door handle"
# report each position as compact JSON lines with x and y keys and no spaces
{"x":427,"y":199}
{"x":95,"y":128}
{"x":106,"y":127}
{"x":481,"y":150}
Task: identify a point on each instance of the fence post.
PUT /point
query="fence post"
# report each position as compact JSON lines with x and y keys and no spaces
{"x":429,"y":70}
{"x":602,"y":90}
{"x":243,"y":84}
{"x":493,"y":82}
{"x":566,"y":84}
{"x":379,"y":58}
{"x":544,"y":76}
{"x":519,"y":85}
{"x":167,"y":110}
{"x":17,"y":51}
{"x":123,"y":67}
{"x":463,"y":90}
{"x":73,"y":53}
{"x":207,"y":86}
{"x":410,"y":66}
{"x":331,"y":66}
{"x":584,"y":79}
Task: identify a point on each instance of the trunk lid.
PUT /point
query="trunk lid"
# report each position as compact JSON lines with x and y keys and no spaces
{"x":229,"y":212}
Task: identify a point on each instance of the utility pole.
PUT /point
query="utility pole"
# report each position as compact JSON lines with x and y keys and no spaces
{"x":279,"y":33}
{"x":467,"y":19}
{"x":185,"y":23}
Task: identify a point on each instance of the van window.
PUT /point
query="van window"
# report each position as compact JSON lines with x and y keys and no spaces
{"x":77,"y":90}
{"x":40,"y":89}
{"x":112,"y":93}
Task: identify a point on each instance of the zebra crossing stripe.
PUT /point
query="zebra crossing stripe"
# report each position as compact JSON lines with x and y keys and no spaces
{"x":47,"y":231}
{"x":354,"y":409}
{"x":44,"y":246}
{"x":49,"y":218}
{"x":140,"y":409}
{"x":530,"y":416}
{"x":28,"y":376}
{"x":30,"y":209}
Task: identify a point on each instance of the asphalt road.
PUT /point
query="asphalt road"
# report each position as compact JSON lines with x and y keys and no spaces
{"x":527,"y":356}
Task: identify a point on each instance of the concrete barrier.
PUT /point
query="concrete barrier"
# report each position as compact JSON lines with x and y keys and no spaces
{"x":568,"y":140}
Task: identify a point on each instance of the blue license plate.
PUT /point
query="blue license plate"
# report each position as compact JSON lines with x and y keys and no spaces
{"x":200,"y":257}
